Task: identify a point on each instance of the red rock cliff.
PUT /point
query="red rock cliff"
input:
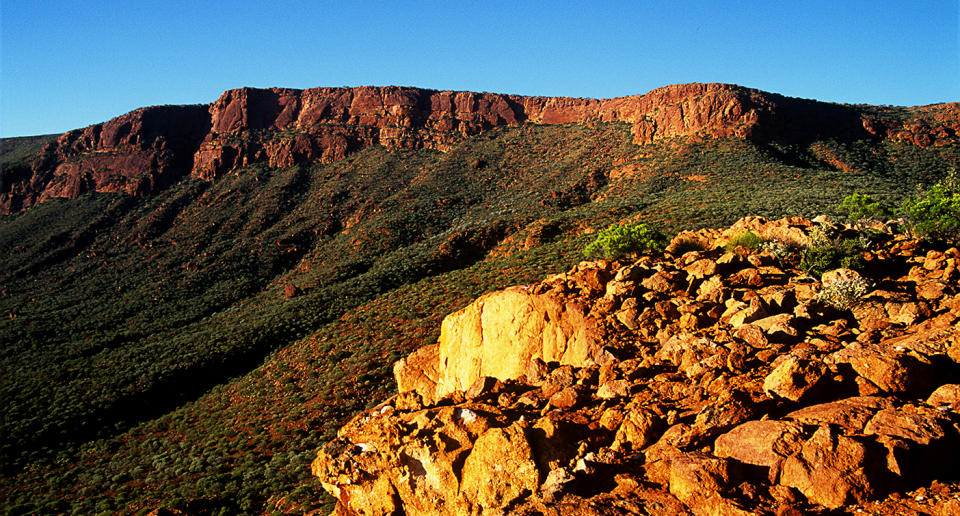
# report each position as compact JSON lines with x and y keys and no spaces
{"x":148,"y":149}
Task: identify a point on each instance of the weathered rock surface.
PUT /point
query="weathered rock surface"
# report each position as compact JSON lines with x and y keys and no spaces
{"x":148,"y":149}
{"x":542,"y":400}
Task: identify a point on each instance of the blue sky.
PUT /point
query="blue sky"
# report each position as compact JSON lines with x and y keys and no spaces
{"x":69,"y":64}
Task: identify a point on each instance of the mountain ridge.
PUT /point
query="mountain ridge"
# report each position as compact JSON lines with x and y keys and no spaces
{"x":148,"y":149}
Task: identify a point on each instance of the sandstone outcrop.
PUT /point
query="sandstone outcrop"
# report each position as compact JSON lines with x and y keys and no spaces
{"x":147,"y":149}
{"x":711,"y":382}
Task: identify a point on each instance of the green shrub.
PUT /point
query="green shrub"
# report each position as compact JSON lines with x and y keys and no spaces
{"x":747,"y":239}
{"x":863,"y":207}
{"x":935,"y":214}
{"x":826,"y":253}
{"x":625,"y":239}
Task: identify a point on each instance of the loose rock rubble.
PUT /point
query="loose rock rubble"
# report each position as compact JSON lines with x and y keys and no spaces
{"x":712,"y":382}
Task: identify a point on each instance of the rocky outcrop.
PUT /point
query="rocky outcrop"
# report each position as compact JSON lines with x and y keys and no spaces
{"x":933,"y":125}
{"x":147,"y":149}
{"x":712,"y":382}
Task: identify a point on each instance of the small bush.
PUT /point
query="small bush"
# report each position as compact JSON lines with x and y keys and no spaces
{"x":747,"y":239}
{"x":843,"y":254}
{"x":845,"y":293}
{"x":625,"y":239}
{"x":859,"y":207}
{"x":778,"y":249}
{"x":826,"y":253}
{"x":935,"y":214}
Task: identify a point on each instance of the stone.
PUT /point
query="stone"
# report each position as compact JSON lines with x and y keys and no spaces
{"x":567,"y":398}
{"x":699,"y":481}
{"x":701,"y":268}
{"x":662,"y":282}
{"x":752,"y":335}
{"x":628,"y":318}
{"x":782,"y":324}
{"x":727,"y":411}
{"x":831,"y":470}
{"x":917,"y":440}
{"x":931,"y":290}
{"x":637,"y":429}
{"x":499,"y":469}
{"x":919,"y":426}
{"x":890,"y":371}
{"x":794,"y":378}
{"x":614,"y":389}
{"x":480,"y":387}
{"x":498,"y":335}
{"x":760,"y":443}
{"x":711,"y":291}
{"x":945,"y":397}
{"x":849,"y":414}
{"x":556,"y":482}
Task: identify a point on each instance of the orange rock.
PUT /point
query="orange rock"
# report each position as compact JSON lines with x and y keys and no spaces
{"x":850,"y":414}
{"x":497,"y":336}
{"x":499,"y":469}
{"x":761,"y":443}
{"x":794,"y":378}
{"x":831,"y":470}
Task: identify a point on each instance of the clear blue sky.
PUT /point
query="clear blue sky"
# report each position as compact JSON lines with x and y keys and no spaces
{"x":69,"y":64}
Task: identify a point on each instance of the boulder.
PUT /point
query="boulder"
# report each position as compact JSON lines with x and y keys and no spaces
{"x":945,"y":397}
{"x":499,"y":469}
{"x":832,"y":470}
{"x":794,"y":378}
{"x":761,"y":443}
{"x":849,"y":414}
{"x":498,"y":335}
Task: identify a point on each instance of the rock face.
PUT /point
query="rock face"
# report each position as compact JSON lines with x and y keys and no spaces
{"x":147,"y":149}
{"x":707,"y":383}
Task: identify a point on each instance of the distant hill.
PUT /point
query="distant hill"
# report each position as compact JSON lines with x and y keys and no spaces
{"x":194,"y":298}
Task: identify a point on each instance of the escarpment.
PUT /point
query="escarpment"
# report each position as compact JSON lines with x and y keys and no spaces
{"x":705,"y":381}
{"x":148,"y":149}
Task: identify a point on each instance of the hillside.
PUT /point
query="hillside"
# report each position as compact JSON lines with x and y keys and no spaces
{"x":197,"y":297}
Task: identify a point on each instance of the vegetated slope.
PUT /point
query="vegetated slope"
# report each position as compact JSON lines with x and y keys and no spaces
{"x":120,"y":309}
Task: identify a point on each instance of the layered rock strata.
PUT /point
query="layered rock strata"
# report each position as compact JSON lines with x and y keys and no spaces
{"x":708,"y":382}
{"x":147,"y":149}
